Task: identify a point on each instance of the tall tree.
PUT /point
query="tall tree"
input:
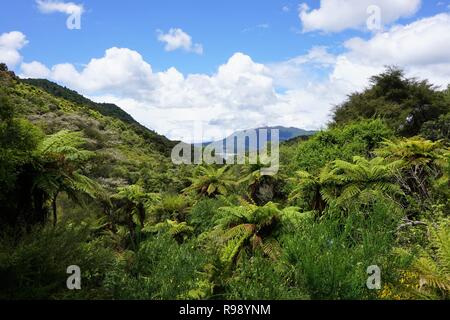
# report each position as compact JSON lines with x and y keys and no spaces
{"x":405,"y":104}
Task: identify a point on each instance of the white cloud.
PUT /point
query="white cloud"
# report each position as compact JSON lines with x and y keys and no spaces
{"x":420,"y":43}
{"x":10,"y":44}
{"x":34,"y":69}
{"x":422,"y":48}
{"x":299,"y":71}
{"x":338,"y":15}
{"x":168,"y":100}
{"x":50,"y":6}
{"x":121,"y":70}
{"x":243,"y":93}
{"x":178,"y":39}
{"x":74,"y":11}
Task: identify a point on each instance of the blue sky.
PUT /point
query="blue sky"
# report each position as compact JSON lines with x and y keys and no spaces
{"x":272,"y":36}
{"x":223,"y":27}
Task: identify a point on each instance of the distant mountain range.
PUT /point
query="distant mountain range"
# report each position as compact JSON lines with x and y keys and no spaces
{"x":290,"y":133}
{"x":285,"y":134}
{"x":161,"y":143}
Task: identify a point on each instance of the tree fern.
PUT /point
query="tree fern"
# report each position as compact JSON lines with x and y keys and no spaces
{"x":209,"y":181}
{"x":178,"y":230}
{"x":433,"y":266}
{"x":251,"y":227}
{"x":61,"y":158}
{"x":130,"y":204}
{"x":360,"y":181}
{"x":307,"y":191}
{"x":423,"y":169}
{"x":67,"y":144}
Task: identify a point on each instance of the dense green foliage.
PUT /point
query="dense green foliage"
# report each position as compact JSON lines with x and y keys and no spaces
{"x":83,"y":184}
{"x":106,"y":109}
{"x":405,"y":104}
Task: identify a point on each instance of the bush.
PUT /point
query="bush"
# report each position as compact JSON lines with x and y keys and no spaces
{"x":332,"y":255}
{"x":437,"y":129}
{"x":340,"y":143}
{"x":35,"y":267}
{"x":405,"y":104}
{"x":161,"y":269}
{"x":261,"y":279}
{"x":202,"y":214}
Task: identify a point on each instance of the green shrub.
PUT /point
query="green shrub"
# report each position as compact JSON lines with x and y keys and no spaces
{"x":202,"y":214}
{"x":340,"y":143}
{"x":161,"y":269}
{"x":332,"y":255}
{"x":35,"y":266}
{"x":259,"y":278}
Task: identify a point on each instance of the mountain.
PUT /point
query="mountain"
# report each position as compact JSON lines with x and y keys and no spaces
{"x":161,"y":143}
{"x":291,"y":132}
{"x":285,"y":134}
{"x":125,"y":151}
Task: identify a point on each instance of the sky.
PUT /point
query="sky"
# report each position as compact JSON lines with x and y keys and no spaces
{"x":203,"y":69}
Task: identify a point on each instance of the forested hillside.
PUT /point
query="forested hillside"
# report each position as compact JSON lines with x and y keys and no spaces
{"x":161,"y":143}
{"x":83,"y":184}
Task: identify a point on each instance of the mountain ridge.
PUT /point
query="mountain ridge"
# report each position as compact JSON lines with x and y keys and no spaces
{"x":106,"y":109}
{"x":285,"y":135}
{"x":112,"y":110}
{"x":125,"y":151}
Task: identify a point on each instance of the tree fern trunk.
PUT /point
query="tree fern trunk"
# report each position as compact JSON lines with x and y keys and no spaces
{"x":55,"y":213}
